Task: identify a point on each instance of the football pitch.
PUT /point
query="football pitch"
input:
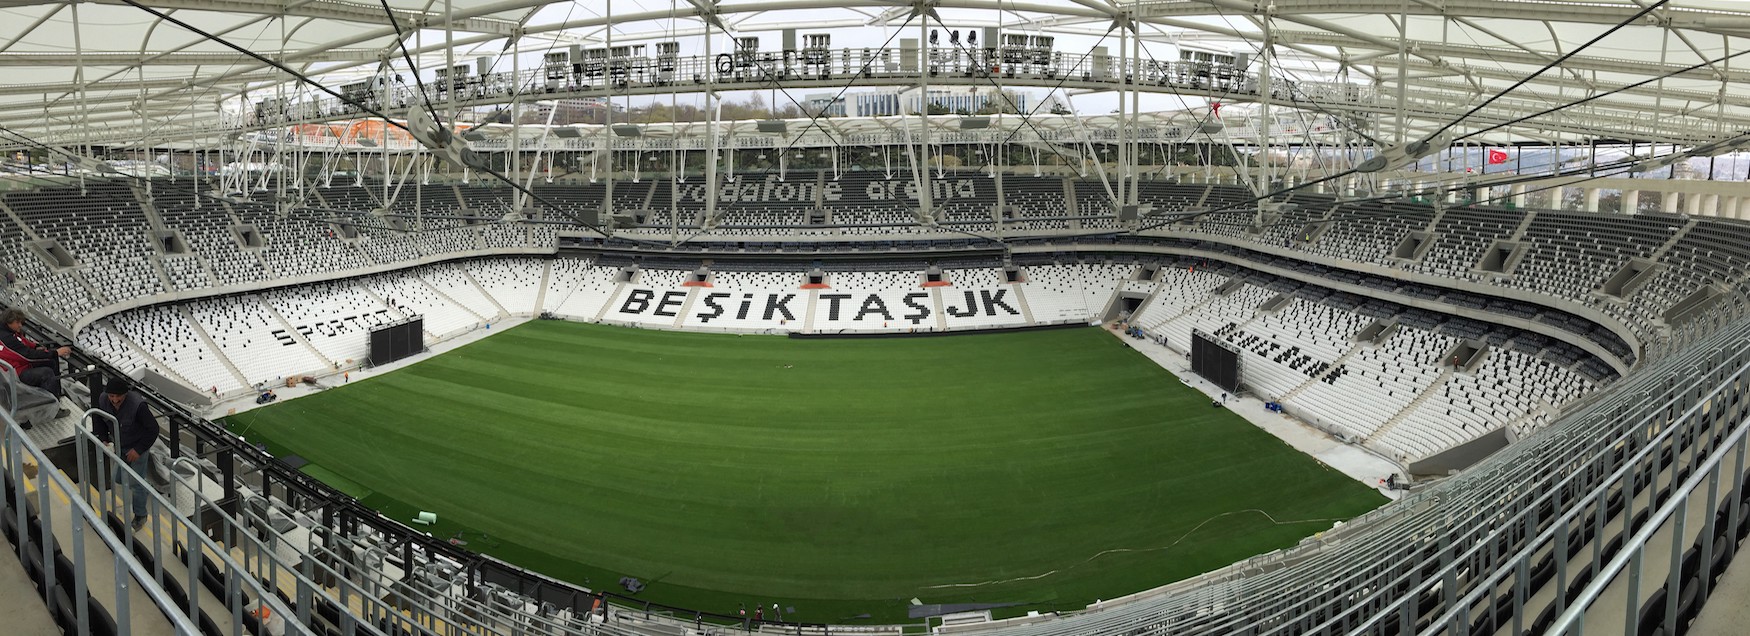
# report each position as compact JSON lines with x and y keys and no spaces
{"x":842,"y":478}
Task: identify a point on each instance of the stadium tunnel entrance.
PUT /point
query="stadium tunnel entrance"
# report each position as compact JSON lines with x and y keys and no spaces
{"x":1125,"y":305}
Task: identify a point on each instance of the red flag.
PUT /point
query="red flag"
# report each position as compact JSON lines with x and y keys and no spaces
{"x":1497,"y":155}
{"x":1215,"y":110}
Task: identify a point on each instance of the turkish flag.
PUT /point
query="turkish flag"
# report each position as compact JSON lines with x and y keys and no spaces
{"x":1497,"y":155}
{"x":1215,"y":110}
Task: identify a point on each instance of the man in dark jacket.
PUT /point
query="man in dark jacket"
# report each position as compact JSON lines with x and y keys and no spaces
{"x":135,"y":432}
{"x":36,"y":365}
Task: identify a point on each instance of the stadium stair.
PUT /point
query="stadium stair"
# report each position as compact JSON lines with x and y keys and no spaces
{"x":1432,"y":389}
{"x":28,"y":231}
{"x":541,"y":294}
{"x":144,"y":618}
{"x":1335,"y":366}
{"x":808,"y":313}
{"x":157,"y":262}
{"x":160,"y":549}
{"x":686,"y":307}
{"x":79,"y":277}
{"x":1524,"y":226}
{"x":1658,"y":255}
{"x":266,"y":267}
{"x":1433,"y":221}
{"x":185,"y":313}
{"x":446,"y":297}
{"x":293,"y":331}
{"x":20,"y":610}
{"x":152,"y":360}
{"x":1021,"y":302}
{"x":941,"y":317}
{"x":393,"y":310}
{"x":1724,"y":617}
{"x":615,"y":295}
{"x":1603,"y":539}
{"x":502,"y":312}
{"x":1149,"y":299}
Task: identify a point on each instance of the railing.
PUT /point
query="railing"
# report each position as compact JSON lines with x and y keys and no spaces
{"x":597,"y":78}
{"x":1465,"y":527}
{"x":198,"y":551}
{"x":1672,"y":517}
{"x":1476,"y":515}
{"x":38,"y":543}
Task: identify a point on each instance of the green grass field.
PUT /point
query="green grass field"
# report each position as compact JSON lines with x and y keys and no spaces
{"x":839,"y":477}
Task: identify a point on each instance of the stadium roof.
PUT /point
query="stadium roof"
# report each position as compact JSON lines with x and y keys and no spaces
{"x":123,"y":74}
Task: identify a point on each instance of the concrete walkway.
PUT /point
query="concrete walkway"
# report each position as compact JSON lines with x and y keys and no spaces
{"x":1358,"y":463}
{"x":21,"y":610}
{"x":1727,"y":611}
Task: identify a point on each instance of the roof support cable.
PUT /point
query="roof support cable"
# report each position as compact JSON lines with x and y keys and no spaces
{"x":1625,"y":87}
{"x":79,"y":79}
{"x":813,"y":119}
{"x":1437,"y":133}
{"x":1546,"y":67}
{"x":1588,"y":172}
{"x":1027,"y":114}
{"x":401,"y":43}
{"x":1448,"y":126}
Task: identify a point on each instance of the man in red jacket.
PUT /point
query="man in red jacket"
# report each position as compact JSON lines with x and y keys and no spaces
{"x":36,"y":365}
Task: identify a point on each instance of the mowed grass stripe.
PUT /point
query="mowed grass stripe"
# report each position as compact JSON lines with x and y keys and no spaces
{"x":839,"y":476}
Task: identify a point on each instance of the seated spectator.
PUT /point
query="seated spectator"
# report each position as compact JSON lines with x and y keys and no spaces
{"x":36,"y":365}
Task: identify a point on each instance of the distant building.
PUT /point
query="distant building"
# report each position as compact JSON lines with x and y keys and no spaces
{"x":876,"y":104}
{"x":829,"y":104}
{"x":890,"y":103}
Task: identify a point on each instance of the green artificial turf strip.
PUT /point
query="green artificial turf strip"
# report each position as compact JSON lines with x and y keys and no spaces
{"x":342,"y":484}
{"x":841,"y":477}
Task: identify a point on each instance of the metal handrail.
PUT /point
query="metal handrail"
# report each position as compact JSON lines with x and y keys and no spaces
{"x":84,"y":435}
{"x":1640,"y":406}
{"x":12,"y":381}
{"x":1629,"y":466}
{"x":18,"y":445}
{"x":1633,"y":546}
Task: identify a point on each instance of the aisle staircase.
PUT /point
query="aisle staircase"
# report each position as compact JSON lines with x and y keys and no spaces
{"x":207,"y":339}
{"x":1335,"y":364}
{"x":1431,"y":391}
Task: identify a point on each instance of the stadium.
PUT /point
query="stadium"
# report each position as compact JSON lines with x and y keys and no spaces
{"x":890,"y":318}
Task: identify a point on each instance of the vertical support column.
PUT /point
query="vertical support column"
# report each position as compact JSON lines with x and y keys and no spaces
{"x":1668,"y":202}
{"x":607,"y":132}
{"x":1631,"y":201}
{"x":1123,"y":161}
{"x":1265,"y":119}
{"x":518,"y":199}
{"x":1591,"y":199}
{"x":1518,"y":196}
{"x":1135,"y":108}
{"x":1403,"y":67}
{"x":1002,"y":199}
{"x":227,"y":461}
{"x":711,"y":117}
{"x":920,"y":161}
